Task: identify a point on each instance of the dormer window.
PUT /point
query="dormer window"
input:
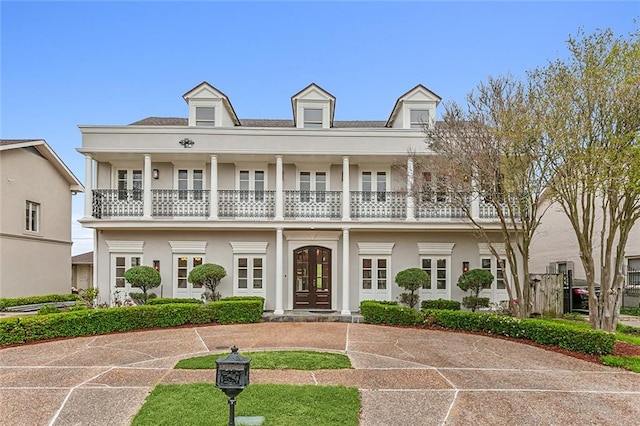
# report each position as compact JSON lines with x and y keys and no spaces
{"x":312,"y":118}
{"x":418,"y":118}
{"x":205,"y":117}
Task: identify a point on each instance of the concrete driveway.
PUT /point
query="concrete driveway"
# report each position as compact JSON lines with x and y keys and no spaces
{"x":405,"y":376}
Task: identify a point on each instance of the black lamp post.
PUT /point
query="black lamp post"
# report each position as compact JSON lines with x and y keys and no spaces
{"x":232,"y":376}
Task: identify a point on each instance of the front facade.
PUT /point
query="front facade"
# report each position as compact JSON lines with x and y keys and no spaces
{"x":35,"y":219}
{"x":310,"y":213}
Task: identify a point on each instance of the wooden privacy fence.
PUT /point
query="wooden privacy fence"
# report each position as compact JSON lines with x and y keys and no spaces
{"x":548,"y":296}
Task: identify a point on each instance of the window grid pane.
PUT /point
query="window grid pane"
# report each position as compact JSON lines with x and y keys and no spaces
{"x":366,"y":274}
{"x":426,"y":266}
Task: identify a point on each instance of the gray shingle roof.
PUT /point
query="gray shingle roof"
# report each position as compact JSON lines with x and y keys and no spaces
{"x":83,"y":258}
{"x":257,"y":122}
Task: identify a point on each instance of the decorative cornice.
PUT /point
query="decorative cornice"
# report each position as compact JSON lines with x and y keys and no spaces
{"x":242,"y":247}
{"x":117,"y":246}
{"x":483,"y":248}
{"x":375,"y":248}
{"x":435,"y":248}
{"x":188,"y":246}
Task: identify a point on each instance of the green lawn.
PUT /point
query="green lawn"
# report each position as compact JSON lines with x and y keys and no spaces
{"x":627,"y":362}
{"x":280,"y":405}
{"x":276,"y":360}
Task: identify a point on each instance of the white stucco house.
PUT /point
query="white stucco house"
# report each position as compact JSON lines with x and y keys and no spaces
{"x":35,"y":219}
{"x":308,"y":212}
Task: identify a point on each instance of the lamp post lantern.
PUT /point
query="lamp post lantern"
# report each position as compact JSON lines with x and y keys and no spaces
{"x":232,"y":376}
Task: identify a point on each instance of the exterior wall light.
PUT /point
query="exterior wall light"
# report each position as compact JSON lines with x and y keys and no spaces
{"x":186,"y":142}
{"x":156,"y":265}
{"x":155,"y":174}
{"x":465,"y":267}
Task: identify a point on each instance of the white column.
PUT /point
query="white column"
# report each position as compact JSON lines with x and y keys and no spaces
{"x":88,"y":186}
{"x":346,"y":194}
{"x":146,"y":188}
{"x":279,"y":275}
{"x":475,"y":199}
{"x":279,"y":191}
{"x":411,"y":215}
{"x":213,"y":185}
{"x":345,"y":272}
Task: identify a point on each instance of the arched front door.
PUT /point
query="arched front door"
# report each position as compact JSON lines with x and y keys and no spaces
{"x":312,"y":273}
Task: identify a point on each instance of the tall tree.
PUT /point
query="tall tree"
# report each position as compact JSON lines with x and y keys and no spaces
{"x":591,"y":110}
{"x":492,"y":163}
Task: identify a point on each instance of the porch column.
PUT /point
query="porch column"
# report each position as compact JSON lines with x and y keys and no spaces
{"x":475,"y":199}
{"x":346,"y":194}
{"x":88,"y":186}
{"x":279,"y":192}
{"x":279,"y":268}
{"x":345,"y":272}
{"x":213,"y":185}
{"x":146,"y":188}
{"x":411,"y":215}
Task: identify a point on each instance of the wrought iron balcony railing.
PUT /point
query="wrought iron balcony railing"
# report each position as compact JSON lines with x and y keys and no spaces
{"x":117,"y":203}
{"x":312,"y":204}
{"x":180,"y":202}
{"x":242,"y":203}
{"x":378,"y":205}
{"x":439,"y":205}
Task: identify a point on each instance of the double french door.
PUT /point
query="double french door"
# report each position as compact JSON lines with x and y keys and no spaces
{"x":312,"y":278}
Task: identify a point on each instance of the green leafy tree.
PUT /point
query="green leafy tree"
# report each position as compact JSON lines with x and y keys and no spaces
{"x":591,"y":123}
{"x":411,"y":279}
{"x":474,"y":281}
{"x":144,"y":278}
{"x":208,"y":275}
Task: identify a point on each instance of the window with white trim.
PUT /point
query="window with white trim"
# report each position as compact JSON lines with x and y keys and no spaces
{"x":121,"y":265}
{"x":190,"y":181}
{"x":313,"y":186}
{"x":496,"y":267}
{"x":129,"y":183}
{"x":437,"y":270}
{"x":205,"y":116}
{"x":312,"y":118}
{"x":251,"y":184}
{"x":374,"y":273}
{"x":249,"y":268}
{"x":374,"y":182}
{"x":418,"y":118}
{"x":32,"y":217}
{"x":184,"y":265}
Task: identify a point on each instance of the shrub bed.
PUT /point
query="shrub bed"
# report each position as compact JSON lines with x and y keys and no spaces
{"x":19,"y":301}
{"x":374,"y":312}
{"x":101,"y":321}
{"x":451,"y":305}
{"x":167,"y":300}
{"x":229,"y":311}
{"x":565,"y":336}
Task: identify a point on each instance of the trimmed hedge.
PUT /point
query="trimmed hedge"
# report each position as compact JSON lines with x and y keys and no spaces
{"x":101,"y":321}
{"x":451,"y":305}
{"x":19,"y":301}
{"x":374,"y":312}
{"x":565,"y":336}
{"x":167,"y":300}
{"x":241,"y":311}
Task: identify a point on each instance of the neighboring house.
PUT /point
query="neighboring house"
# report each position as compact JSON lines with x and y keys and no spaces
{"x":35,"y":219}
{"x":82,"y":271}
{"x":310,"y":213}
{"x":554,"y":249}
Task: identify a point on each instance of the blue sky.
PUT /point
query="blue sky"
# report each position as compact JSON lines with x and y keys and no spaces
{"x":64,"y":64}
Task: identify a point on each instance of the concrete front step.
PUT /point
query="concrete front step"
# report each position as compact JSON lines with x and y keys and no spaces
{"x":310,"y":316}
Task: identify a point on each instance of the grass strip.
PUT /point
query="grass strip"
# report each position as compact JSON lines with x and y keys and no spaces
{"x":275,"y":360}
{"x":281,"y":405}
{"x":627,"y":362}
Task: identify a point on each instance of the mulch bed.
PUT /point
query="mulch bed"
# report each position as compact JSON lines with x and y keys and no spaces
{"x":619,"y":349}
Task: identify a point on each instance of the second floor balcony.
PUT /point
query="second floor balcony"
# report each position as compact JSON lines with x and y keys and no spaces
{"x":264,"y":205}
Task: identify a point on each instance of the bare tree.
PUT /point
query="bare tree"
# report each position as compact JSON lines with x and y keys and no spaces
{"x":590,"y":105}
{"x":491,"y":163}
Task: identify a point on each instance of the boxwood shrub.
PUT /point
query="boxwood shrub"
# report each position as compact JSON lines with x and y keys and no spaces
{"x":232,"y":310}
{"x":374,"y":312}
{"x":31,"y":300}
{"x":167,"y":300}
{"x":451,"y":305}
{"x":565,"y":336}
{"x":100,"y":321}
